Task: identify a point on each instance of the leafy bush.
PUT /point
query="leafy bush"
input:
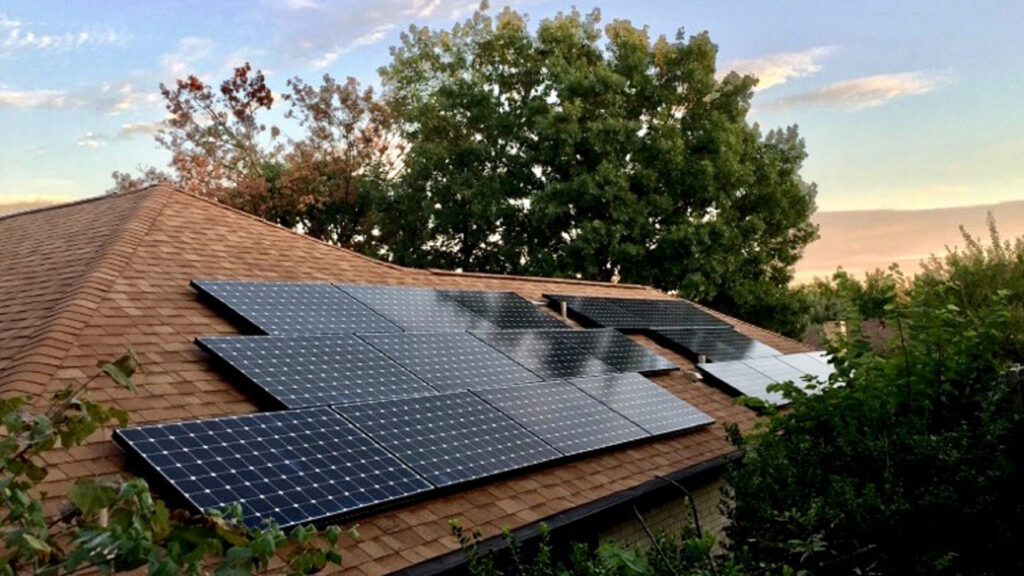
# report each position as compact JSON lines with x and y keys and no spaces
{"x":115,"y":525}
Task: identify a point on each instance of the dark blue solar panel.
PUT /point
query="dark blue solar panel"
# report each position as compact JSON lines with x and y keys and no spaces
{"x":670,"y":313}
{"x":451,"y":361}
{"x":449,"y":438}
{"x":504,"y":310}
{"x":294,"y":467}
{"x":592,"y":311}
{"x":647,"y":404}
{"x":544,"y":354}
{"x":716,"y":344}
{"x":281,"y":308}
{"x":616,"y":350}
{"x":304,"y":371}
{"x":563,"y":416}
{"x":417,"y":309}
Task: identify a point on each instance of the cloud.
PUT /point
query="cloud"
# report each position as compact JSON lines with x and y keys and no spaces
{"x":867,"y":92}
{"x":191,"y":49}
{"x":16,"y":36}
{"x":776,"y":69}
{"x":92,"y":140}
{"x":135,"y":129}
{"x":315,"y":34}
{"x":106,"y":98}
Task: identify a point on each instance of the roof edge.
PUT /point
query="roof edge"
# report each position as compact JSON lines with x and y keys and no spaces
{"x":89,"y":200}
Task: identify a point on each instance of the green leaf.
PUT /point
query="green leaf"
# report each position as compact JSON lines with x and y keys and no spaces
{"x":122,"y":369}
{"x":92,"y":496}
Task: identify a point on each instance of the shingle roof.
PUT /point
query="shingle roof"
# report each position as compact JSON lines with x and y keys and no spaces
{"x":83,"y":281}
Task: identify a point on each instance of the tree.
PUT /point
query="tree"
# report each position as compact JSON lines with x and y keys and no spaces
{"x":116,"y":525}
{"x":909,"y":461}
{"x":595,"y":154}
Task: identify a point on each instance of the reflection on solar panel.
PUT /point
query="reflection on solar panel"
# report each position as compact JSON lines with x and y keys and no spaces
{"x":503,"y":309}
{"x":544,"y":354}
{"x":750,"y":377}
{"x":303,"y":371}
{"x":616,"y":350}
{"x":563,"y":416}
{"x":717,"y":344}
{"x":647,"y":404}
{"x":417,"y":309}
{"x":451,"y":361}
{"x":591,"y":311}
{"x":294,"y":308}
{"x":292,"y":466}
{"x":449,"y":438}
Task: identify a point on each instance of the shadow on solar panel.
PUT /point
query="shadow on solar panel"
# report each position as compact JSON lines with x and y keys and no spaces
{"x":294,"y":466}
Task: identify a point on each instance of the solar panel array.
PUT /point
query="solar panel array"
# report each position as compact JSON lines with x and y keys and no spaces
{"x":379,"y":412}
{"x":752,"y":377}
{"x":303,"y":371}
{"x":714,"y":344}
{"x":294,"y":467}
{"x":294,"y":308}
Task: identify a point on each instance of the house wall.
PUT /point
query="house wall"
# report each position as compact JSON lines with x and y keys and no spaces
{"x":672,"y":515}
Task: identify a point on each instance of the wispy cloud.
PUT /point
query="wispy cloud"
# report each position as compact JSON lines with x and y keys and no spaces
{"x":137,"y":129}
{"x":861,"y":93}
{"x":17,"y":36}
{"x":315,"y":34}
{"x":182,"y":60}
{"x":776,"y":69}
{"x":92,"y":140}
{"x":106,"y":98}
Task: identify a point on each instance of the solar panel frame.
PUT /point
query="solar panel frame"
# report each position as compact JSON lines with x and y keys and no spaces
{"x":644,"y":402}
{"x":292,"y":308}
{"x":293,"y":466}
{"x":304,"y":371}
{"x":544,"y":354}
{"x":450,"y":438}
{"x":617,"y":350}
{"x":416,"y":309}
{"x":451,"y":361}
{"x":566,"y":418}
{"x":504,"y":310}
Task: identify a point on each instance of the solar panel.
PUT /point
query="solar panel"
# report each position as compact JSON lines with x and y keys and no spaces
{"x":503,"y":309}
{"x":592,"y":311}
{"x":294,"y":467}
{"x":743,"y":379}
{"x":650,"y":406}
{"x":449,"y":438}
{"x":563,"y":416}
{"x":294,"y":308}
{"x":417,"y":309}
{"x":544,"y":354}
{"x":776,"y":369}
{"x":669,"y":313}
{"x":303,"y":371}
{"x":716,"y":344}
{"x":616,"y":350}
{"x":810,"y":363}
{"x":451,"y":361}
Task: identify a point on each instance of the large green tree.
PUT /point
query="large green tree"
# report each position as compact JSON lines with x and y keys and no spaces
{"x":595,"y":152}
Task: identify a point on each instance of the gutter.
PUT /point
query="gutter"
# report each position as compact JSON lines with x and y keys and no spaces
{"x":608,"y":505}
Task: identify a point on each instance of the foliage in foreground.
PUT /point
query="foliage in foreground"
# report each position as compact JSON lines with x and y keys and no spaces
{"x":113,"y":525}
{"x":907,"y":463}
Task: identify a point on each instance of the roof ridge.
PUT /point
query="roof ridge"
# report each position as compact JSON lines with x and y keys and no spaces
{"x":76,"y":307}
{"x":540,"y":279}
{"x":89,"y":200}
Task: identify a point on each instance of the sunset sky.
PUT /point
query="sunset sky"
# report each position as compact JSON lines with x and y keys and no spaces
{"x":907,"y":104}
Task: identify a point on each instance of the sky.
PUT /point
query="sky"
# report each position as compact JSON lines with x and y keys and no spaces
{"x":903,"y":105}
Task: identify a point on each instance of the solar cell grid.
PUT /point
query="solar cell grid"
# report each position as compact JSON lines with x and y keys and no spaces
{"x":294,"y":467}
{"x":450,"y":438}
{"x":294,"y":308}
{"x":503,"y":309}
{"x":563,"y":416}
{"x":303,"y":371}
{"x":417,"y":309}
{"x":616,"y":350}
{"x":642,"y":401}
{"x":544,"y":354}
{"x":451,"y":361}
{"x":743,"y":379}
